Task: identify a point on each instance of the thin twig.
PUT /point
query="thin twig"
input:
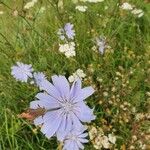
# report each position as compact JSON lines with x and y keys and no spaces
{"x":32,"y":28}
{"x":7,"y":41}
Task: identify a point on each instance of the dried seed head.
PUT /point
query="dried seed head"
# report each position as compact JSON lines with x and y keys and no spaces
{"x":31,"y":114}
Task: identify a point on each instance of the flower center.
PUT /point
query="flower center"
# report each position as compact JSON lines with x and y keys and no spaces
{"x":73,"y":137}
{"x":67,"y":106}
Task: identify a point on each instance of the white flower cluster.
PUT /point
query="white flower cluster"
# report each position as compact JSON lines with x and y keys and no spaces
{"x":81,"y":8}
{"x":68,"y":49}
{"x":68,"y":46}
{"x":78,"y":74}
{"x":1,"y":12}
{"x":30,"y":4}
{"x":126,"y":6}
{"x":92,"y":1}
{"x":100,"y":140}
{"x":138,"y":12}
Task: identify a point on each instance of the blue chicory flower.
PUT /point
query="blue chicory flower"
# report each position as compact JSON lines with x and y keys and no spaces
{"x":67,"y":30}
{"x":64,"y":106}
{"x":75,"y":139}
{"x":21,"y":72}
{"x":39,"y":77}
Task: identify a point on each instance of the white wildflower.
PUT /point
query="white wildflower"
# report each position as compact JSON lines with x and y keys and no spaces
{"x":98,"y":146}
{"x":92,"y":1}
{"x":93,"y":132}
{"x":105,"y":94}
{"x":139,"y":116}
{"x":15,"y":13}
{"x":32,"y":82}
{"x":68,"y":49}
{"x":138,"y":12}
{"x":94,"y":48}
{"x":100,"y":140}
{"x":63,"y":47}
{"x":112,"y":138}
{"x":78,"y":74}
{"x":141,"y":145}
{"x":148,"y":93}
{"x":30,"y":4}
{"x":126,"y":6}
{"x":105,"y":142}
{"x":71,"y":78}
{"x":1,"y":12}
{"x":134,"y":137}
{"x":60,"y":4}
{"x":132,"y":147}
{"x":81,"y":8}
{"x":97,"y":143}
{"x":70,"y":53}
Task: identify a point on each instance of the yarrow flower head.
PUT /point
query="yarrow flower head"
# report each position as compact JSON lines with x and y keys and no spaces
{"x":30,"y":4}
{"x":81,"y":8}
{"x":39,"y":77}
{"x":64,"y":106}
{"x":68,"y":49}
{"x":21,"y":72}
{"x":1,"y":12}
{"x":78,"y":74}
{"x":66,"y":31}
{"x":126,"y":6}
{"x":74,"y":140}
{"x":92,"y":1}
{"x":112,"y":138}
{"x":138,"y":12}
{"x":99,"y":139}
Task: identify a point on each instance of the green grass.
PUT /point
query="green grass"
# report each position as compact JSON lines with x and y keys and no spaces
{"x":31,"y":37}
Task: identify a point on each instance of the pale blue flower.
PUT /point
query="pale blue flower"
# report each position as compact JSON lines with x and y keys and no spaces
{"x":64,"y":105}
{"x":67,"y":31}
{"x":75,"y":139}
{"x":101,"y":43}
{"x":39,"y":77}
{"x":21,"y":72}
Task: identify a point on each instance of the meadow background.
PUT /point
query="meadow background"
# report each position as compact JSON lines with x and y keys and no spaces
{"x":120,"y":76}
